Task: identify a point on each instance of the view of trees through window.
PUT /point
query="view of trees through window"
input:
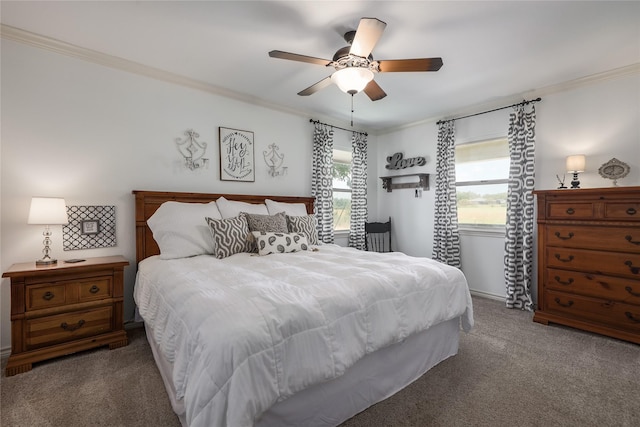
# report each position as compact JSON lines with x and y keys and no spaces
{"x":341,"y":190}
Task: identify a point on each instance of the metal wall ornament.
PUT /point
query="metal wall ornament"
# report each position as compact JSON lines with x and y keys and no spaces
{"x":274,"y":160}
{"x":614,"y":169}
{"x":192,"y":150}
{"x":237,"y":161}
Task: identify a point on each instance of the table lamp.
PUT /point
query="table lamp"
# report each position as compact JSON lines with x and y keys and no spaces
{"x":575,"y":164}
{"x":47,"y":211}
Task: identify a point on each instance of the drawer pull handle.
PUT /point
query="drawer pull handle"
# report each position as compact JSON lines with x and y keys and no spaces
{"x":94,"y":289}
{"x":571,"y":211}
{"x":569,"y":236}
{"x":568,"y":282}
{"x":630,"y":240}
{"x":72,"y":328}
{"x":630,"y":317}
{"x":48,"y":296}
{"x":630,"y":290}
{"x":569,"y":304}
{"x":567,"y":259}
{"x":634,"y":270}
{"x":632,"y":211}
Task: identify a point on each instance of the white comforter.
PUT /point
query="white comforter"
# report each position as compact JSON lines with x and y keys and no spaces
{"x":248,"y":331}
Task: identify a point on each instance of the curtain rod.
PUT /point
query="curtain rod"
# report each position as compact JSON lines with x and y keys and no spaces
{"x":531,"y":101}
{"x":337,"y":127}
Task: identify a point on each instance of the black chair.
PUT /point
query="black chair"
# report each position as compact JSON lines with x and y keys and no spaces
{"x":378,"y":236}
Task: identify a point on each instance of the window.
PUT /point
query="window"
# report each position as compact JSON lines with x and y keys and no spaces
{"x":482,"y":176}
{"x":341,"y":190}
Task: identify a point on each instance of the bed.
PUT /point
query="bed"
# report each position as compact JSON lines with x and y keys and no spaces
{"x":309,"y":336}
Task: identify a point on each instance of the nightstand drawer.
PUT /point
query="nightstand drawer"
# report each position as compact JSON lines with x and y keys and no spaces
{"x":98,"y":288}
{"x":68,"y":326}
{"x":577,"y":210}
{"x":620,"y":239}
{"x":45,"y":296}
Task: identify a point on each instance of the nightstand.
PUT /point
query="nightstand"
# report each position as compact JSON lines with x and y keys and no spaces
{"x":65,"y":308}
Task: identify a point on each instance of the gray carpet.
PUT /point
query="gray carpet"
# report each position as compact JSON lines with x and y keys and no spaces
{"x":509,"y":371}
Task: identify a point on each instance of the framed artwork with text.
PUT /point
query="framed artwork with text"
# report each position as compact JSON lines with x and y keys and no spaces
{"x":237,"y":162}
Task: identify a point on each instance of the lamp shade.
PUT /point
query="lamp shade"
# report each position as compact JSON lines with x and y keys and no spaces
{"x":576,"y":163}
{"x":352,"y":79}
{"x":48,"y":211}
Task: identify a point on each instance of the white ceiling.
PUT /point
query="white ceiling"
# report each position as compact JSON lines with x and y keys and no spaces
{"x":492,"y":51}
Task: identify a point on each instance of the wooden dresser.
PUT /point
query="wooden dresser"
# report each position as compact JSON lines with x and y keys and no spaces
{"x":589,"y":260}
{"x":64,"y":308}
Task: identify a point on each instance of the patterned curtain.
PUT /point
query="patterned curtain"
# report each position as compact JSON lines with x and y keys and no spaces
{"x":446,"y":240}
{"x":359,"y":212}
{"x":518,"y":248}
{"x":322,"y":181}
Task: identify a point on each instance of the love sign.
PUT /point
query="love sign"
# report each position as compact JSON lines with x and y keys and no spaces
{"x":396,"y":161}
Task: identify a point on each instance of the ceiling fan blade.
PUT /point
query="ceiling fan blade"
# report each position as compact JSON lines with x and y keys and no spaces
{"x":420,"y":64}
{"x":295,"y":57}
{"x":374,"y":91}
{"x":316,"y":87}
{"x":367,"y":35}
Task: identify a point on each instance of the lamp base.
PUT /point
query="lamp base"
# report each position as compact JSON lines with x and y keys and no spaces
{"x":46,"y":262}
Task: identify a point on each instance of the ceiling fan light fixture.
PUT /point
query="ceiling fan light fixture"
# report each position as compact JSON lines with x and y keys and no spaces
{"x":352,"y":80}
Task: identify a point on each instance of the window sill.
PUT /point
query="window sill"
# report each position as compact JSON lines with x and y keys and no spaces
{"x":497,"y":232}
{"x":341,"y":233}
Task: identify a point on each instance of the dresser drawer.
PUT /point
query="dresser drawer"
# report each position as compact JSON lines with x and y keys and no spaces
{"x":594,"y":285}
{"x":571,"y":210}
{"x":68,"y":326}
{"x":45,"y":295}
{"x":610,"y":313}
{"x":599,"y":262}
{"x":619,"y":239}
{"x":622,"y":210}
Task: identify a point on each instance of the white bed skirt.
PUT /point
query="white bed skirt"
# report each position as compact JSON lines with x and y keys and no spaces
{"x":372,"y":379}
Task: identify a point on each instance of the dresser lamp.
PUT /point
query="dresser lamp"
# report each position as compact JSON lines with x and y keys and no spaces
{"x":47,"y":211}
{"x":575,"y":164}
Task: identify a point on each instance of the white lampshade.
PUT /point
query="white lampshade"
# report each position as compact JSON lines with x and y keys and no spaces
{"x":352,"y":79}
{"x":576,"y":163}
{"x":48,"y":211}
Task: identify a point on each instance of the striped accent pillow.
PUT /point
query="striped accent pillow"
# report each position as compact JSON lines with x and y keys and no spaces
{"x":229,"y":236}
{"x":305,"y":225}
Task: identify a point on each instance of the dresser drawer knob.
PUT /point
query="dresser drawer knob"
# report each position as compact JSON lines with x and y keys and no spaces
{"x":631,"y":317}
{"x":72,"y":328}
{"x":630,"y":240}
{"x":634,"y":270}
{"x":560,"y":303}
{"x":630,"y":290}
{"x":94,"y":289}
{"x":632,"y":211}
{"x":568,"y":282}
{"x":569,"y":236}
{"x":564,"y":259}
{"x":48,"y":296}
{"x":571,"y":211}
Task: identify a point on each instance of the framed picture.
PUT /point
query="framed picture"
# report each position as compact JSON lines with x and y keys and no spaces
{"x":90,"y":226}
{"x":237,"y":161}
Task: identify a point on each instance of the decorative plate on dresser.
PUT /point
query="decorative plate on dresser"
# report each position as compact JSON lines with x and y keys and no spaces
{"x":589,"y":260}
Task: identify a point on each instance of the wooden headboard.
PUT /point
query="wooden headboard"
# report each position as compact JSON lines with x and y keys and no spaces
{"x":147,"y":202}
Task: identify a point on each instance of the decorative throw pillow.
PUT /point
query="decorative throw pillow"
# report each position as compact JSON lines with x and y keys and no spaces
{"x":305,"y":225}
{"x":273,"y":223}
{"x":180,"y":228}
{"x":229,"y":235}
{"x":232,"y":208}
{"x":293,"y":209}
{"x":279,"y":243}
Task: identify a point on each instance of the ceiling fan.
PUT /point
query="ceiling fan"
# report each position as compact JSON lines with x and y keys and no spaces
{"x":354,"y":64}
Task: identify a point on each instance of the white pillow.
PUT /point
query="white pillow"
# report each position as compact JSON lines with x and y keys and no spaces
{"x":232,"y":208}
{"x":279,"y":243}
{"x":292,"y":209}
{"x":180,"y":229}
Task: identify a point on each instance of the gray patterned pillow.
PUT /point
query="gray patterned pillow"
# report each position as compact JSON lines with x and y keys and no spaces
{"x":280,"y":243}
{"x":305,"y":225}
{"x":229,"y":235}
{"x":273,"y":223}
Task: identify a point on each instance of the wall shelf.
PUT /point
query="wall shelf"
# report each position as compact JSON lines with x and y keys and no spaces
{"x":423,"y":182}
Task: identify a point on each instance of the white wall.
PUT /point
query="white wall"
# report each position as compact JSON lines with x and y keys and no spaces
{"x":92,"y":134}
{"x":599,"y":119}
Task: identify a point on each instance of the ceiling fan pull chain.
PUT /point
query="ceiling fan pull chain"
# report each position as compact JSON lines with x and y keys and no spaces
{"x":351,"y":110}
